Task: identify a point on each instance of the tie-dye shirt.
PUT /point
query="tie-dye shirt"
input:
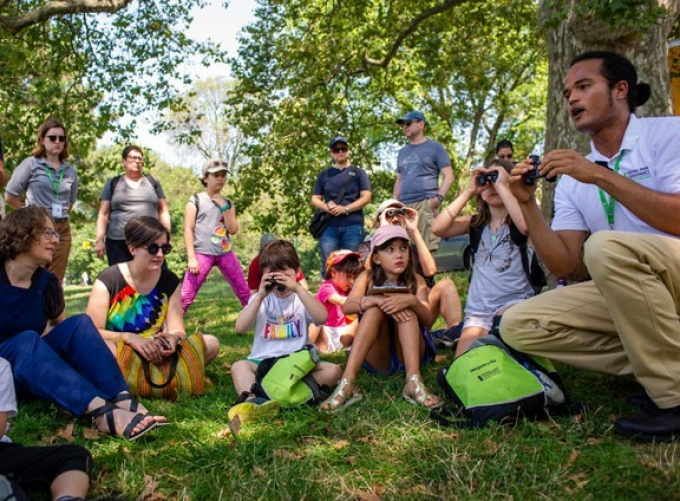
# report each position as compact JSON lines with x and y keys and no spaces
{"x":130,"y":311}
{"x":280,"y":327}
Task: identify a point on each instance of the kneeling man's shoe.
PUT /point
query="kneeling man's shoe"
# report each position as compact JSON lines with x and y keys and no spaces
{"x":651,"y":425}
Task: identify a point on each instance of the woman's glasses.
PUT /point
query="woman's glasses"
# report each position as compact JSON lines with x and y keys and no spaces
{"x":50,"y":233}
{"x":56,"y":139}
{"x":340,"y":150}
{"x":154,"y":248}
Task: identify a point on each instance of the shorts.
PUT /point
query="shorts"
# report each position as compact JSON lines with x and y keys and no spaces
{"x":396,"y":365}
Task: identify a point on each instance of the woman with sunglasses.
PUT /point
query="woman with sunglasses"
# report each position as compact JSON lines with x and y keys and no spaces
{"x":123,"y":197}
{"x":209,"y":222}
{"x":346,"y":229}
{"x":62,"y":360}
{"x":138,"y":303}
{"x":46,"y":180}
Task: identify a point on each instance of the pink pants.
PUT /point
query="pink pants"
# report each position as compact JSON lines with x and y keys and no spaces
{"x":230,"y":267}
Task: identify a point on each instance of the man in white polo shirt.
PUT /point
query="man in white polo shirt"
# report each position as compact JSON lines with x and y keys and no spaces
{"x":625,"y":196}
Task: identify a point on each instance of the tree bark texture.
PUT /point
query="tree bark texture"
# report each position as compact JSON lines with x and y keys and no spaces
{"x":574,"y":35}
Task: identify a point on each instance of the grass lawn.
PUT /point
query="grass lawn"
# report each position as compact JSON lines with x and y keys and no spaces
{"x":380,"y":448}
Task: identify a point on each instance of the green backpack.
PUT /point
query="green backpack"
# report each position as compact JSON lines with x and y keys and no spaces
{"x":287,"y":379}
{"x":492,"y":382}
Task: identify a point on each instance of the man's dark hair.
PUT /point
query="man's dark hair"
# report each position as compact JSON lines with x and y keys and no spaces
{"x":615,"y":68}
{"x":504,"y":143}
{"x":132,"y":147}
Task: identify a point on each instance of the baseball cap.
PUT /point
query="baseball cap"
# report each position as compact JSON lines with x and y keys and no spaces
{"x":336,"y":140}
{"x":412,"y":115}
{"x":211,"y":166}
{"x":266,"y":238}
{"x":338,"y":256}
{"x":386,"y":233}
{"x":390,"y":202}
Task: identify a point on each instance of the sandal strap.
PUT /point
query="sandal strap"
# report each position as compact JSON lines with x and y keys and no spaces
{"x":107,"y":411}
{"x":420,"y":392}
{"x":124,"y":396}
{"x":339,"y":392}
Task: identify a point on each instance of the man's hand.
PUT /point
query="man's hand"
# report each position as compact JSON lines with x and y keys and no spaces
{"x":571,"y":163}
{"x":520,"y":190}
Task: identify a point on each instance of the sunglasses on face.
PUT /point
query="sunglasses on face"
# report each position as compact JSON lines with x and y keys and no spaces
{"x":342,"y":149}
{"x":56,"y":139}
{"x":154,"y":248}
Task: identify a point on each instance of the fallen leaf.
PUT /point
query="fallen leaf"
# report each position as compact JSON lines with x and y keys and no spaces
{"x":572,"y":458}
{"x":438,"y":359}
{"x":224,"y":433}
{"x":48,"y":440}
{"x":259,"y":471}
{"x":580,"y":479}
{"x":369,"y":439}
{"x":351,"y":460}
{"x":149,"y":493}
{"x":340,"y":444}
{"x":578,"y":418}
{"x":286,"y":454}
{"x":235,"y":425}
{"x":365,"y":496}
{"x":593,"y":441}
{"x":310,"y":441}
{"x":91,"y":433}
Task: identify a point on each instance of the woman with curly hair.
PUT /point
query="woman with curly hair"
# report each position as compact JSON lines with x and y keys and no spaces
{"x":61,"y":360}
{"x":46,"y":179}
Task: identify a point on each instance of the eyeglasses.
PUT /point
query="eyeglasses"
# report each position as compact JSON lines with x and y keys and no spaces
{"x":137,"y":160}
{"x":396,"y":212}
{"x":50,"y":233}
{"x":56,"y":139}
{"x":154,"y":248}
{"x":340,"y":150}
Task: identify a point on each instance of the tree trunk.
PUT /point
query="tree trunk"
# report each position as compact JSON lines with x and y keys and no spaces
{"x":575,"y":35}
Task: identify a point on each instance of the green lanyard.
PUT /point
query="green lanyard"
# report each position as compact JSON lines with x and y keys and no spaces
{"x":608,"y":205}
{"x":55,"y":187}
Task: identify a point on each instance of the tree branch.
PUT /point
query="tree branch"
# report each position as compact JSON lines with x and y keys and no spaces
{"x":14,"y":24}
{"x":410,"y":28}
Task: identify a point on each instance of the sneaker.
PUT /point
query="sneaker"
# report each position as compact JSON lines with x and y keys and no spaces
{"x":650,"y":425}
{"x":447,"y":338}
{"x":254,"y":409}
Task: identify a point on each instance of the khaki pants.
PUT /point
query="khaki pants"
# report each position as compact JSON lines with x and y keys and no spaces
{"x":60,"y":257}
{"x":426,"y":215}
{"x":623,"y":321}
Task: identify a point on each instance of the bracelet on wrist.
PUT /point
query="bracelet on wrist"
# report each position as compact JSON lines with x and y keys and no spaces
{"x":346,"y":209}
{"x":226,"y":206}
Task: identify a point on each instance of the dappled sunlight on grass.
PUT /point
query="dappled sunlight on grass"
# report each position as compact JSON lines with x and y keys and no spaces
{"x":379,"y":448}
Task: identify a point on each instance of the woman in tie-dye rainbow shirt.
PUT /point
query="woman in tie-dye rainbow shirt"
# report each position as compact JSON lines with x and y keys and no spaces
{"x":139,"y":302}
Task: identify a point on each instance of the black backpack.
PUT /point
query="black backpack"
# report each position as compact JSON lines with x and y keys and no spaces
{"x":532,"y":270}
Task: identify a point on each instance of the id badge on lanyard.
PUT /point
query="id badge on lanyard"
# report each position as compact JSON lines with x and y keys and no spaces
{"x":57,"y":207}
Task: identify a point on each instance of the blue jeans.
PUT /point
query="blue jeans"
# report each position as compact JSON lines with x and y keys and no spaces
{"x":70,"y":366}
{"x":339,"y":237}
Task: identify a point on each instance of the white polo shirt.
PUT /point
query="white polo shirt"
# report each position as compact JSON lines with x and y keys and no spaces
{"x":651,"y":157}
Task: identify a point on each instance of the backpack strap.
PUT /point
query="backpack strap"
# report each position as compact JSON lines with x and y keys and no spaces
{"x":114,"y":183}
{"x":152,"y":180}
{"x":532,"y":270}
{"x":194,"y":200}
